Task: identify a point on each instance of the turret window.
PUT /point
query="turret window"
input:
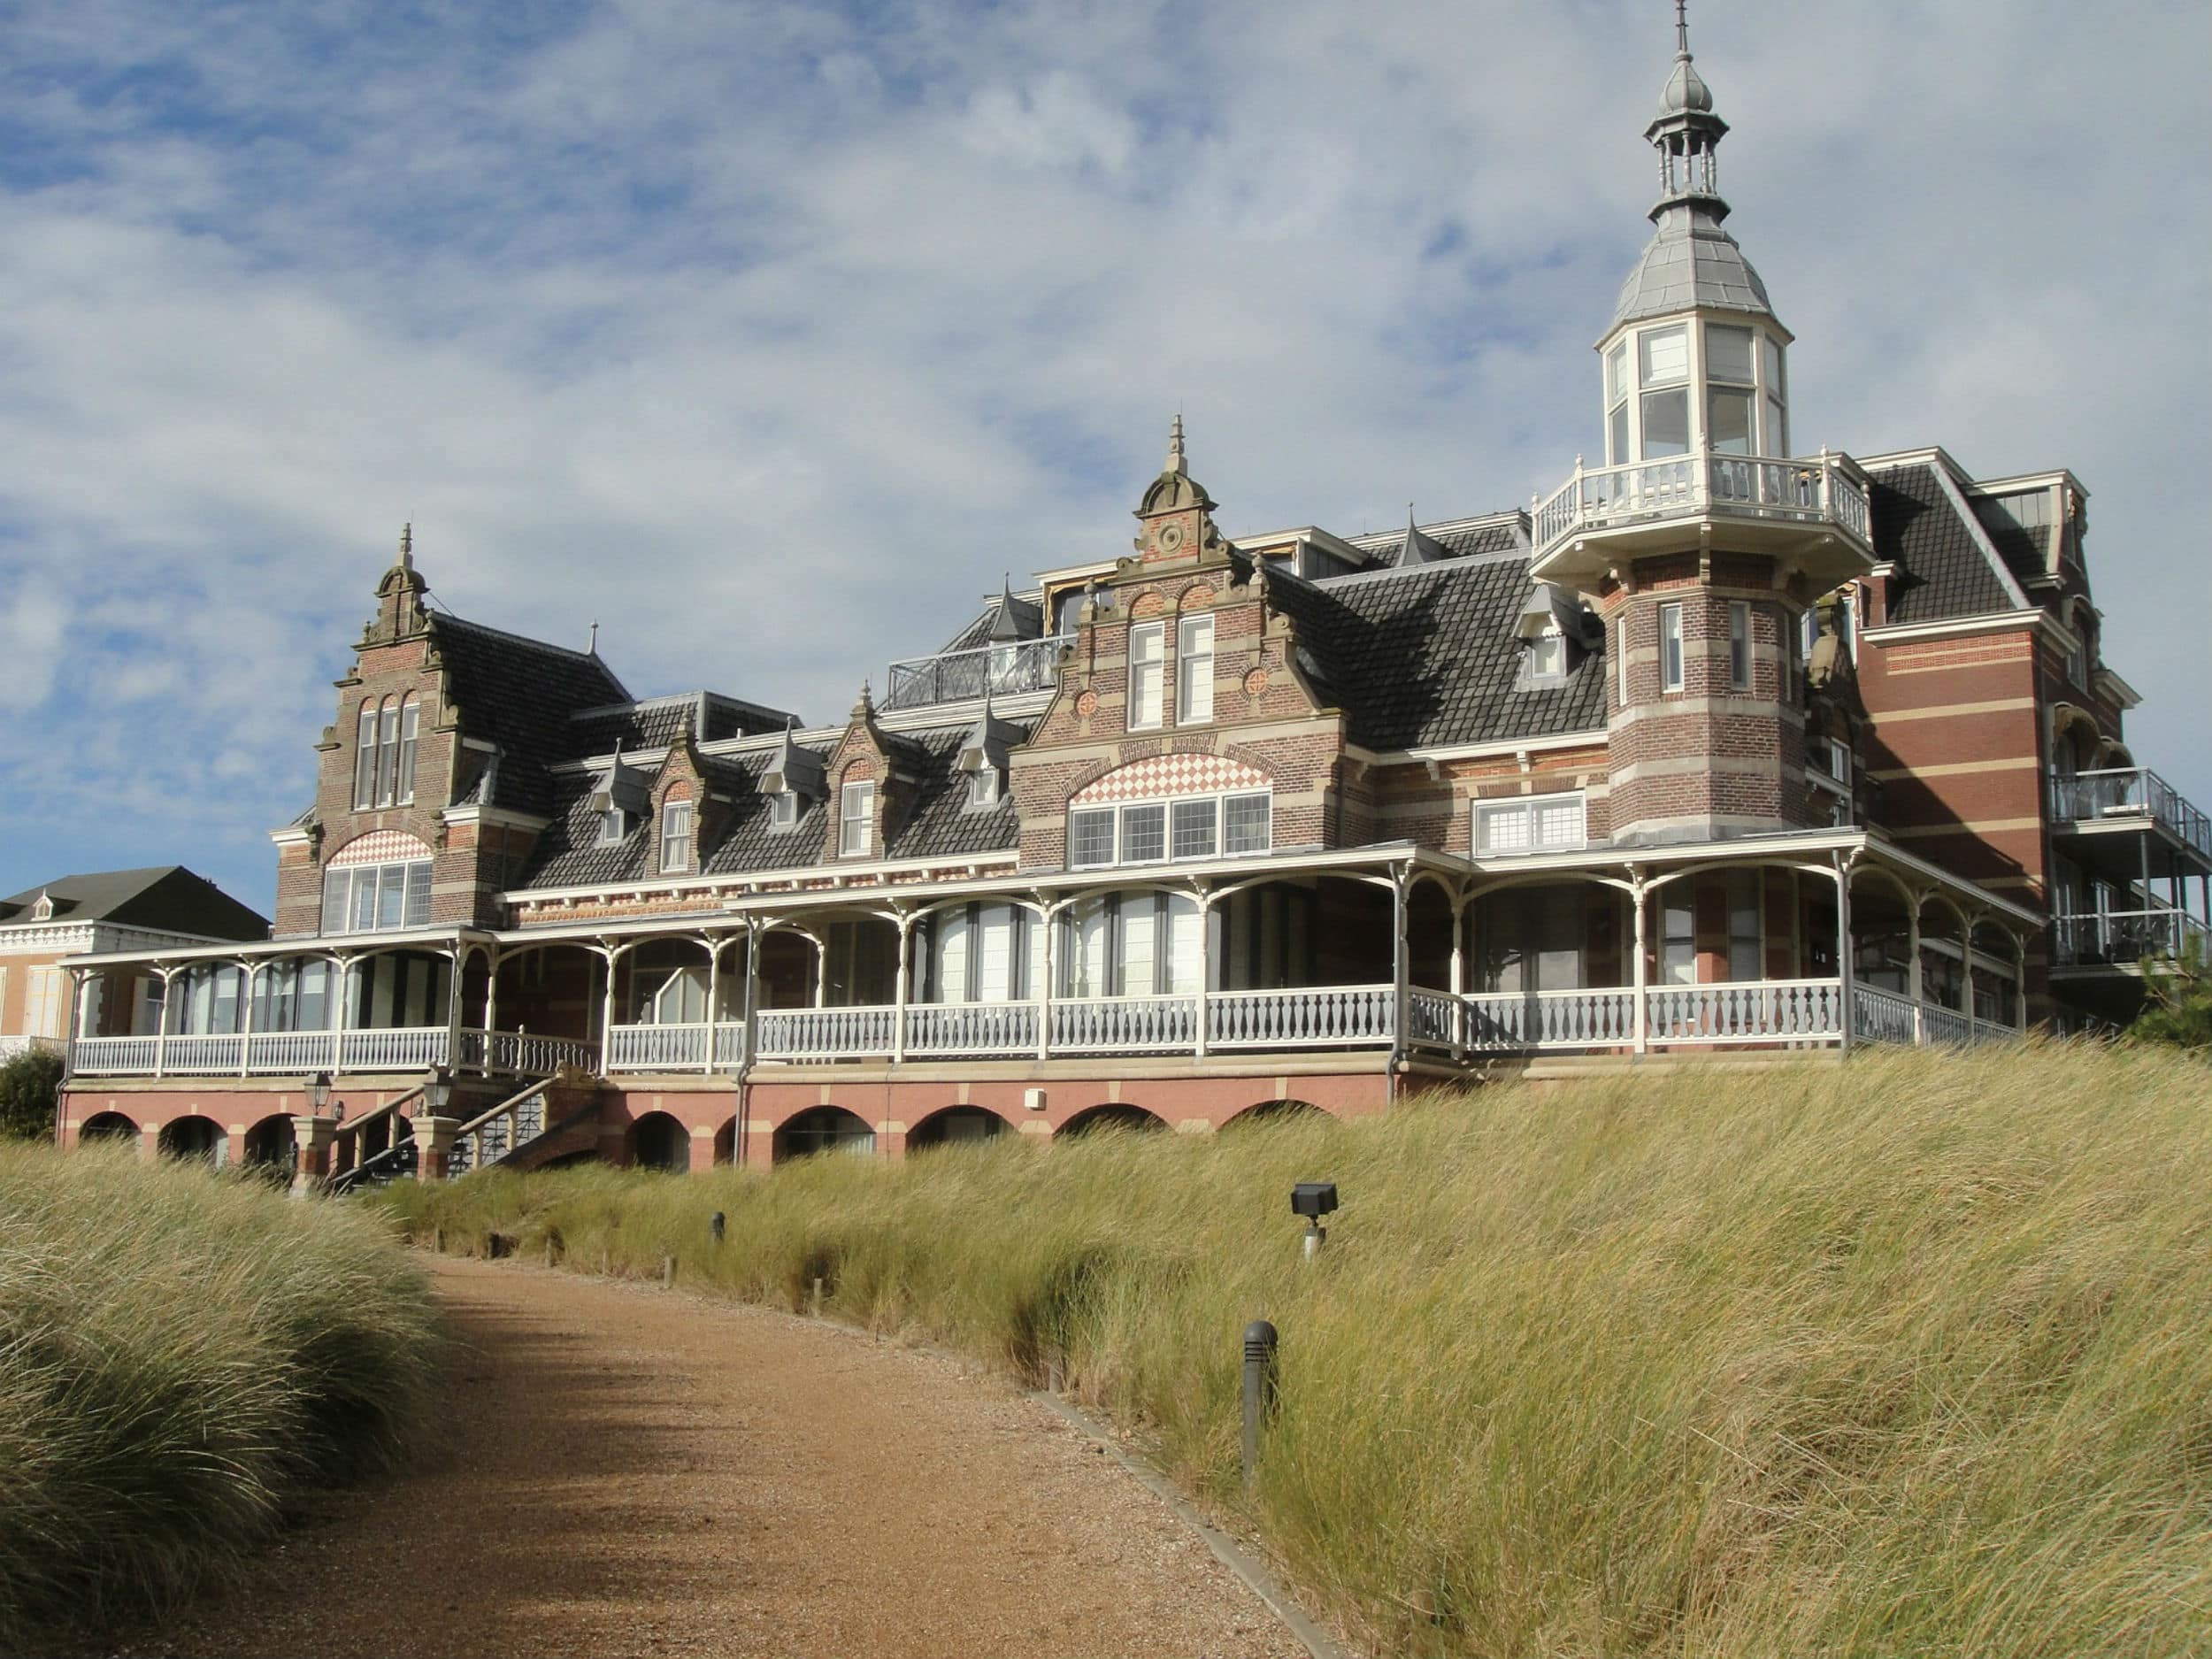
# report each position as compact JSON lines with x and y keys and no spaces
{"x":1732,"y":391}
{"x":1663,"y":360}
{"x":1739,"y":645}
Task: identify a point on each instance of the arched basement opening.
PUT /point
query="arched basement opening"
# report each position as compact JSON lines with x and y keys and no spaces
{"x":1127,"y":1119}
{"x":107,"y":1126}
{"x":1278,"y":1111}
{"x":823,"y":1129}
{"x":658,"y":1141}
{"x":193,"y":1138}
{"x":955,"y":1125}
{"x":272,"y":1145}
{"x":726,"y":1142}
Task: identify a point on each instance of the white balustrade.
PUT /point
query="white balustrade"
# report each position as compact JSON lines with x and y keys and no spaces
{"x":971,"y":1028}
{"x":1597,"y":1017}
{"x":1810,"y":491}
{"x":115,"y":1056}
{"x":1763,"y":1010}
{"x":520,"y":1054}
{"x":805,"y":1033}
{"x":657,"y":1048}
{"x":1124,"y":1023}
{"x":401,"y":1049}
{"x":288,"y":1051}
{"x":1880,"y":1016}
{"x":203,"y":1055}
{"x":1325,"y":1016}
{"x":1945,"y":1025}
{"x":1432,"y":1020}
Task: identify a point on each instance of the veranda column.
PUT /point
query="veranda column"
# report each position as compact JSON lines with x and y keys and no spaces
{"x":1912,"y":979}
{"x":1459,"y":975}
{"x":80,"y":983}
{"x":161,"y":1031}
{"x":1049,"y":924}
{"x":714,"y":996}
{"x":1639,"y":979}
{"x":1205,"y":963}
{"x":606,"y":1003}
{"x":456,"y":956}
{"x":898,"y":989}
{"x":1400,"y":953}
{"x":491,"y":994}
{"x":245,"y":1015}
{"x":1843,"y":952}
{"x":343,"y":992}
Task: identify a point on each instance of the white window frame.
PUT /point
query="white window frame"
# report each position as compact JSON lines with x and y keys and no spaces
{"x":1167,"y":806}
{"x":783,"y":811}
{"x":1740,"y":645}
{"x":1194,"y":671}
{"x":614,"y":826}
{"x":1527,"y":812}
{"x":346,"y":887}
{"x":1544,"y":663}
{"x":856,"y":819}
{"x":983,"y":789}
{"x":1147,"y":676}
{"x":678,"y":821}
{"x":1673,"y":663}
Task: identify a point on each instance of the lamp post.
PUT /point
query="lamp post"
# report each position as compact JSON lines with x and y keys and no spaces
{"x":319,"y":1092}
{"x":434,"y":1130}
{"x":311,"y":1138}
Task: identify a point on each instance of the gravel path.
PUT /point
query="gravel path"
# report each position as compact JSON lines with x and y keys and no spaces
{"x":625,"y":1471}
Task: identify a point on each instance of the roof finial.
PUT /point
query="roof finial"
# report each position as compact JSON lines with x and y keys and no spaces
{"x":592,"y":650}
{"x":1682,"y":28}
{"x":1175,"y":446}
{"x":407,"y":545}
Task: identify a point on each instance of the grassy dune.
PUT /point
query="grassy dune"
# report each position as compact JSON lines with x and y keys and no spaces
{"x":179,"y":1352}
{"x":1908,"y":1356}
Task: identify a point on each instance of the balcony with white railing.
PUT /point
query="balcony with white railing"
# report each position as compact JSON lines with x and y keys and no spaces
{"x":1757,"y":494}
{"x":691,"y":1048}
{"x":2124,"y":939}
{"x":2129,"y":797}
{"x":1000,"y":671}
{"x":304,"y":1053}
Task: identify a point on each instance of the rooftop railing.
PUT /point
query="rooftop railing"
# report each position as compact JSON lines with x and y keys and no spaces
{"x":2130,"y":792}
{"x":1814,"y":491}
{"x":1002,"y":671}
{"x":2125,"y":938}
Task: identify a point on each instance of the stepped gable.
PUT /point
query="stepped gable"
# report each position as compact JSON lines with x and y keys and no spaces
{"x":1944,"y":566}
{"x":519,"y":693}
{"x":1431,"y":656}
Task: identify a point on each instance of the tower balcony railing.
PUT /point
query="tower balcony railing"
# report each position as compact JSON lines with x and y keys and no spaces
{"x":2123,"y":793}
{"x":999,"y":671}
{"x":1814,"y":491}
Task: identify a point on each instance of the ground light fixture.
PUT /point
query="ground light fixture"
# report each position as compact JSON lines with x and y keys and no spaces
{"x":1313,"y":1200}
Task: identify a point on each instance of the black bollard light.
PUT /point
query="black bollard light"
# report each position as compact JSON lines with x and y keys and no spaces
{"x":1313,"y":1200}
{"x":1259,"y":1391}
{"x":715,"y":1224}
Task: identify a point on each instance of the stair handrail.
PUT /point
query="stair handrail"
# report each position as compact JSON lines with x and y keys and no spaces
{"x":505,"y":1106}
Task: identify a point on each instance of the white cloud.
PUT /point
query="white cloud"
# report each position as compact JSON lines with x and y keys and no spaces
{"x":769,"y":335}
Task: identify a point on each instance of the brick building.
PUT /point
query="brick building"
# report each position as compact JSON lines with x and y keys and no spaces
{"x":1720,"y":748}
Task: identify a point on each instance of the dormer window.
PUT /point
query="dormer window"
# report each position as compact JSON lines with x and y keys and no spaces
{"x":855,"y":820}
{"x":614,"y":826}
{"x":42,"y":908}
{"x":983,"y":788}
{"x":783,"y":811}
{"x":676,"y":836}
{"x":1547,"y":663}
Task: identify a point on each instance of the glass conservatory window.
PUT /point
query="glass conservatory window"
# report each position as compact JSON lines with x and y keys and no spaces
{"x":1617,"y":405}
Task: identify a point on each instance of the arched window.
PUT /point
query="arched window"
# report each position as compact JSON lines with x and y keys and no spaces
{"x":384,"y":752}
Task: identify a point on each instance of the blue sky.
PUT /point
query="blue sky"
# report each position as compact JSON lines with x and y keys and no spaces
{"x":769,"y":335}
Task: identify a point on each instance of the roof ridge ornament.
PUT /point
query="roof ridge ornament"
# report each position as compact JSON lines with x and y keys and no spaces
{"x":1175,"y":459}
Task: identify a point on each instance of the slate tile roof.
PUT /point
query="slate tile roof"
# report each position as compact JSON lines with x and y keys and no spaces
{"x":657,"y":722}
{"x":1691,"y":262}
{"x":1468,"y":542}
{"x":1942,"y":569}
{"x":519,"y":693}
{"x":167,"y":898}
{"x":1432,"y":657}
{"x":937,"y":825}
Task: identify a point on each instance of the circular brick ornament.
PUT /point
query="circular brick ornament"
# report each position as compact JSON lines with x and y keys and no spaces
{"x":1086,"y":704}
{"x":1255,"y":681}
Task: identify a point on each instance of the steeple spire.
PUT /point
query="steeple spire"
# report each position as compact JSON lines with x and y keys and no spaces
{"x":1175,"y":463}
{"x":1686,"y":131}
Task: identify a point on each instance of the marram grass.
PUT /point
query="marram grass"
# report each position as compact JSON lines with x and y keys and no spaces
{"x":180,"y":1351}
{"x":1911,"y":1356}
